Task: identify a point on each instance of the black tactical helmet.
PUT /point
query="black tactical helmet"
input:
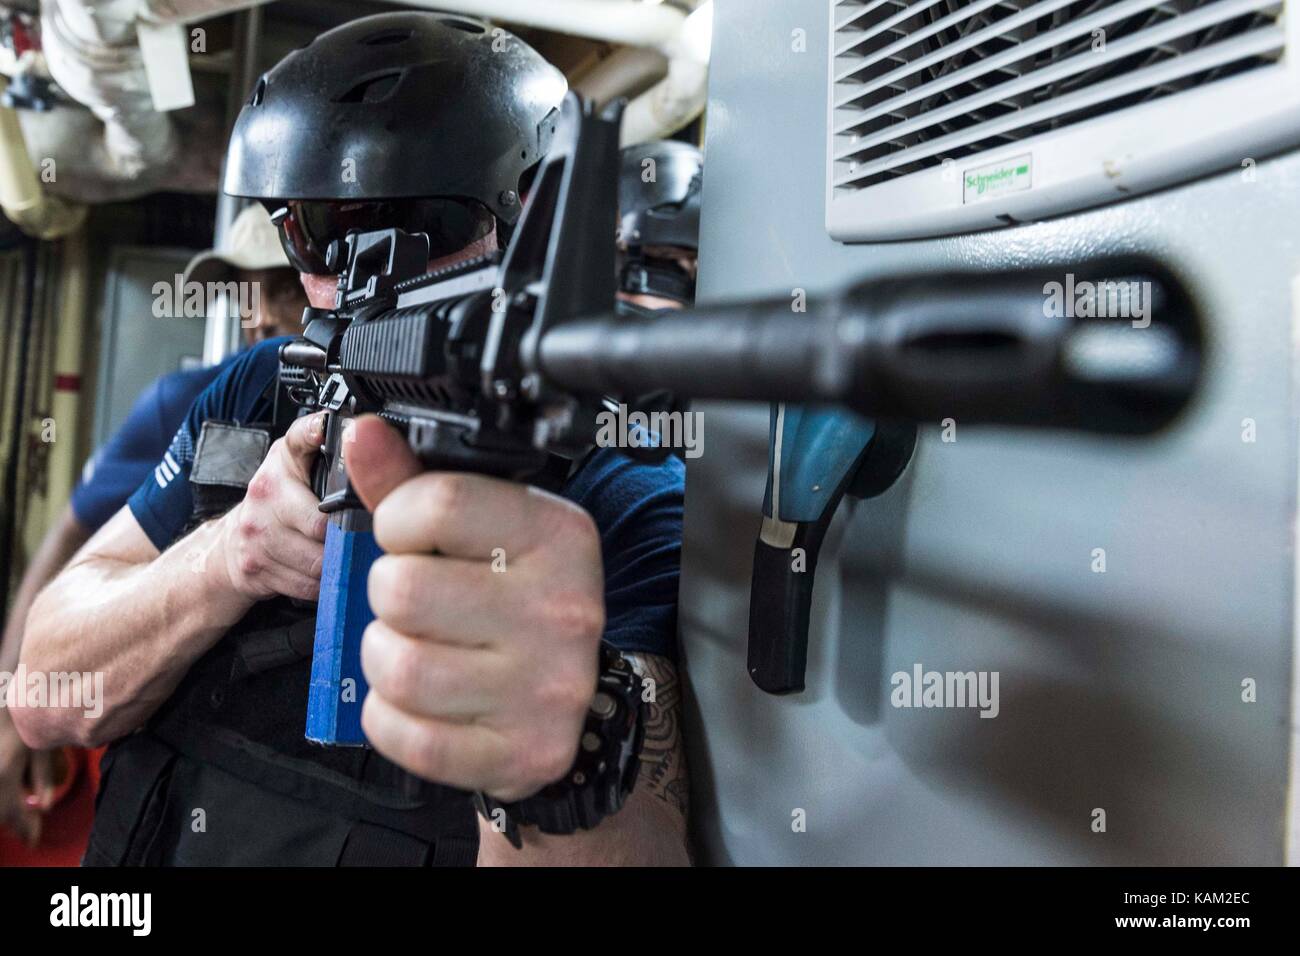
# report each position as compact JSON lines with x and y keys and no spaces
{"x":398,"y":105}
{"x":659,"y":204}
{"x":659,"y":208}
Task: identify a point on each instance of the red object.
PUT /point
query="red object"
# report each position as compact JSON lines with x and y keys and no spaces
{"x":67,"y":383}
{"x":23,"y":39}
{"x":66,"y":826}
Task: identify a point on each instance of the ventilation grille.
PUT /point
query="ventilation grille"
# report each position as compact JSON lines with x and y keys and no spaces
{"x":918,"y":83}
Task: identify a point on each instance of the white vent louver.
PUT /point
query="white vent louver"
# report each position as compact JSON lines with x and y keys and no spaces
{"x":952,"y":115}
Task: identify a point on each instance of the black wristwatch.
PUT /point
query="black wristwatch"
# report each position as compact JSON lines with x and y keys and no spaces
{"x":604,"y":772}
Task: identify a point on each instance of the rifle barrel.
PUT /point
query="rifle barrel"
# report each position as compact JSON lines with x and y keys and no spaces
{"x":979,"y":349}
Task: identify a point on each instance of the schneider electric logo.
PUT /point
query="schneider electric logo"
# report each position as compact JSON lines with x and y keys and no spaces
{"x":995,"y":179}
{"x":75,"y":908}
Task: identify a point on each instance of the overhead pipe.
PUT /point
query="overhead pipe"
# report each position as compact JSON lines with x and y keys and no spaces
{"x":91,"y":51}
{"x":669,"y":105}
{"x":629,"y":22}
{"x":24,"y":200}
{"x":684,"y":39}
{"x":625,"y":72}
{"x":681,"y":96}
{"x":191,"y":11}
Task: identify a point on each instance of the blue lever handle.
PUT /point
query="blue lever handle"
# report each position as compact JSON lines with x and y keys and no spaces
{"x":338,"y":688}
{"x":815,"y":456}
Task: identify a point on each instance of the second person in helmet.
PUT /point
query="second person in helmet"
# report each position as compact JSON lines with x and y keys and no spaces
{"x":659,"y":225}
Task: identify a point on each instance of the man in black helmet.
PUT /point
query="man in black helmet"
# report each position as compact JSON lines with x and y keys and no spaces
{"x":659,"y":225}
{"x":479,"y":681}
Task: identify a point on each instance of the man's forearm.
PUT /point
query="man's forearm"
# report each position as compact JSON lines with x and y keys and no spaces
{"x":140,"y":624}
{"x":58,"y":546}
{"x":643,"y":833}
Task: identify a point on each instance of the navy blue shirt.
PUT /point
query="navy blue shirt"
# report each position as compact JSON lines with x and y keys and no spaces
{"x":637,"y":507}
{"x":133,"y":452}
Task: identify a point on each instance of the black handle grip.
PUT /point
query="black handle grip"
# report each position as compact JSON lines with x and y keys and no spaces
{"x":780,"y":602}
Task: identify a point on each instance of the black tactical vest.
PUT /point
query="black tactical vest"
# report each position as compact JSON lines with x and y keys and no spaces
{"x":222,"y":774}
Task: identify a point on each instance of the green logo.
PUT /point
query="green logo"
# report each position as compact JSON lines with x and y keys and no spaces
{"x":994,"y":179}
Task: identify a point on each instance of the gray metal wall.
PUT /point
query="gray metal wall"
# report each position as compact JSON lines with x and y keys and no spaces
{"x":1120,"y":690}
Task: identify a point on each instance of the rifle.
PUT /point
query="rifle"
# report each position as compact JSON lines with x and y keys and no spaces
{"x":501,"y":364}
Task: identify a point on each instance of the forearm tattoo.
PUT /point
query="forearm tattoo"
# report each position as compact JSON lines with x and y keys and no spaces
{"x":663,"y":761}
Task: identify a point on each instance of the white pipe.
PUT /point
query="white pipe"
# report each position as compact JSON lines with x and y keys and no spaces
{"x":91,"y":52}
{"x":660,"y":111}
{"x":22,"y":197}
{"x":663,"y":109}
{"x":101,"y":22}
{"x":667,"y":106}
{"x":629,"y":22}
{"x":191,"y":11}
{"x":626,"y":72}
{"x":680,"y":96}
{"x":695,"y":39}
